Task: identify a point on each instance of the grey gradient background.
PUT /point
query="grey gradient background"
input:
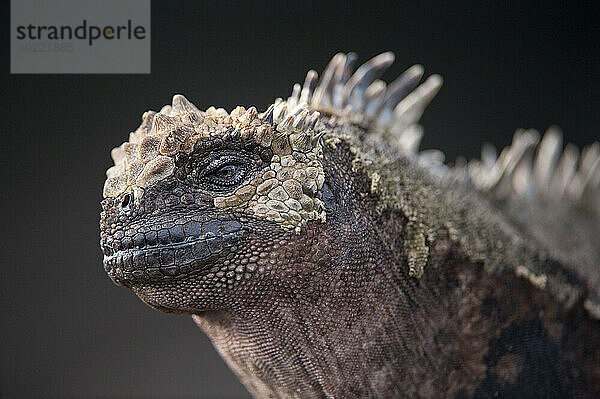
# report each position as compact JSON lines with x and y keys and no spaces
{"x":66,"y":330}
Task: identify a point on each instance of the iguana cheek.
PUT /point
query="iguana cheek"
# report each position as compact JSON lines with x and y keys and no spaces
{"x":285,"y":192}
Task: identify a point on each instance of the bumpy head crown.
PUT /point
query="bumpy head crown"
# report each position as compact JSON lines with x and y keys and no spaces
{"x":148,"y":156}
{"x":291,"y":129}
{"x":276,"y":194}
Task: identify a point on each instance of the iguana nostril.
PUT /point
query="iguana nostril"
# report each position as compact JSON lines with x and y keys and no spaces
{"x":126,"y":201}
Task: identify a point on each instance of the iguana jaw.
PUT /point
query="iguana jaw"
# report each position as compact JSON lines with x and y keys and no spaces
{"x":188,"y":247}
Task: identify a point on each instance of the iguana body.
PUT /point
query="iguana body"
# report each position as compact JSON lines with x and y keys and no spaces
{"x":325,"y":257}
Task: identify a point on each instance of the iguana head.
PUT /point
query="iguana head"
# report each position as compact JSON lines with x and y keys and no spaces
{"x":204,"y":207}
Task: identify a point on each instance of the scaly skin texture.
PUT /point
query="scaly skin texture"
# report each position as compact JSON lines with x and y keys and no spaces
{"x":388,"y":281}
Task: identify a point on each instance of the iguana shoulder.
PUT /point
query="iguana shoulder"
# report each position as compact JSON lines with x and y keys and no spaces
{"x":529,"y":210}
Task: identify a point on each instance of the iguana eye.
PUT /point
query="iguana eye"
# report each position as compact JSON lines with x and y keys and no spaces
{"x":225,"y":173}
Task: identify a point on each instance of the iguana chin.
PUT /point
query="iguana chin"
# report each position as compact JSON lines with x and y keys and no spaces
{"x":325,"y":256}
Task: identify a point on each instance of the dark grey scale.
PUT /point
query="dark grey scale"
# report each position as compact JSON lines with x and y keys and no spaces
{"x":215,"y":245}
{"x":139,"y":241}
{"x":128,"y":262}
{"x":211,"y":227}
{"x":163,"y":237}
{"x":170,"y":271}
{"x":151,"y":238}
{"x":183,"y":256}
{"x":192,"y":229}
{"x":138,"y":260}
{"x":117,"y":245}
{"x":138,"y":274}
{"x":167,"y":257}
{"x":200,"y":250}
{"x":230,"y":226}
{"x":127,"y":243}
{"x":154,"y":272}
{"x":176,"y":233}
{"x":153,"y":258}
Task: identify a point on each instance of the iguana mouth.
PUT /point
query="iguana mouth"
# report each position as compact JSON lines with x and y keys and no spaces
{"x":169,"y":254}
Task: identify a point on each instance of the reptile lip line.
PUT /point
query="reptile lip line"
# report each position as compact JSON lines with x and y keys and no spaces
{"x":165,"y":262}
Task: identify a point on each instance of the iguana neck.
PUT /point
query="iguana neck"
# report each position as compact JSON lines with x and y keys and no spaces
{"x":353,"y":325}
{"x":351,"y":320}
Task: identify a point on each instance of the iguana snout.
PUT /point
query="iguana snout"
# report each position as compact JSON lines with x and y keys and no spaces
{"x":158,"y":251}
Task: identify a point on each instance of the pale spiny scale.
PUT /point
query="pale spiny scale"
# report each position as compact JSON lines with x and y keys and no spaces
{"x":374,"y":98}
{"x":358,"y":97}
{"x":540,"y":169}
{"x":324,"y":89}
{"x":353,"y":93}
{"x":309,"y":86}
{"x":397,"y":91}
{"x":499,"y":177}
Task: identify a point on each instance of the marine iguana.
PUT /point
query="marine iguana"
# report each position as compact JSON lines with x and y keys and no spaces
{"x":326,"y":256}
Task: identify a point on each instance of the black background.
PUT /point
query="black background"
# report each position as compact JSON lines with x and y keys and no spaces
{"x":66,"y":330}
